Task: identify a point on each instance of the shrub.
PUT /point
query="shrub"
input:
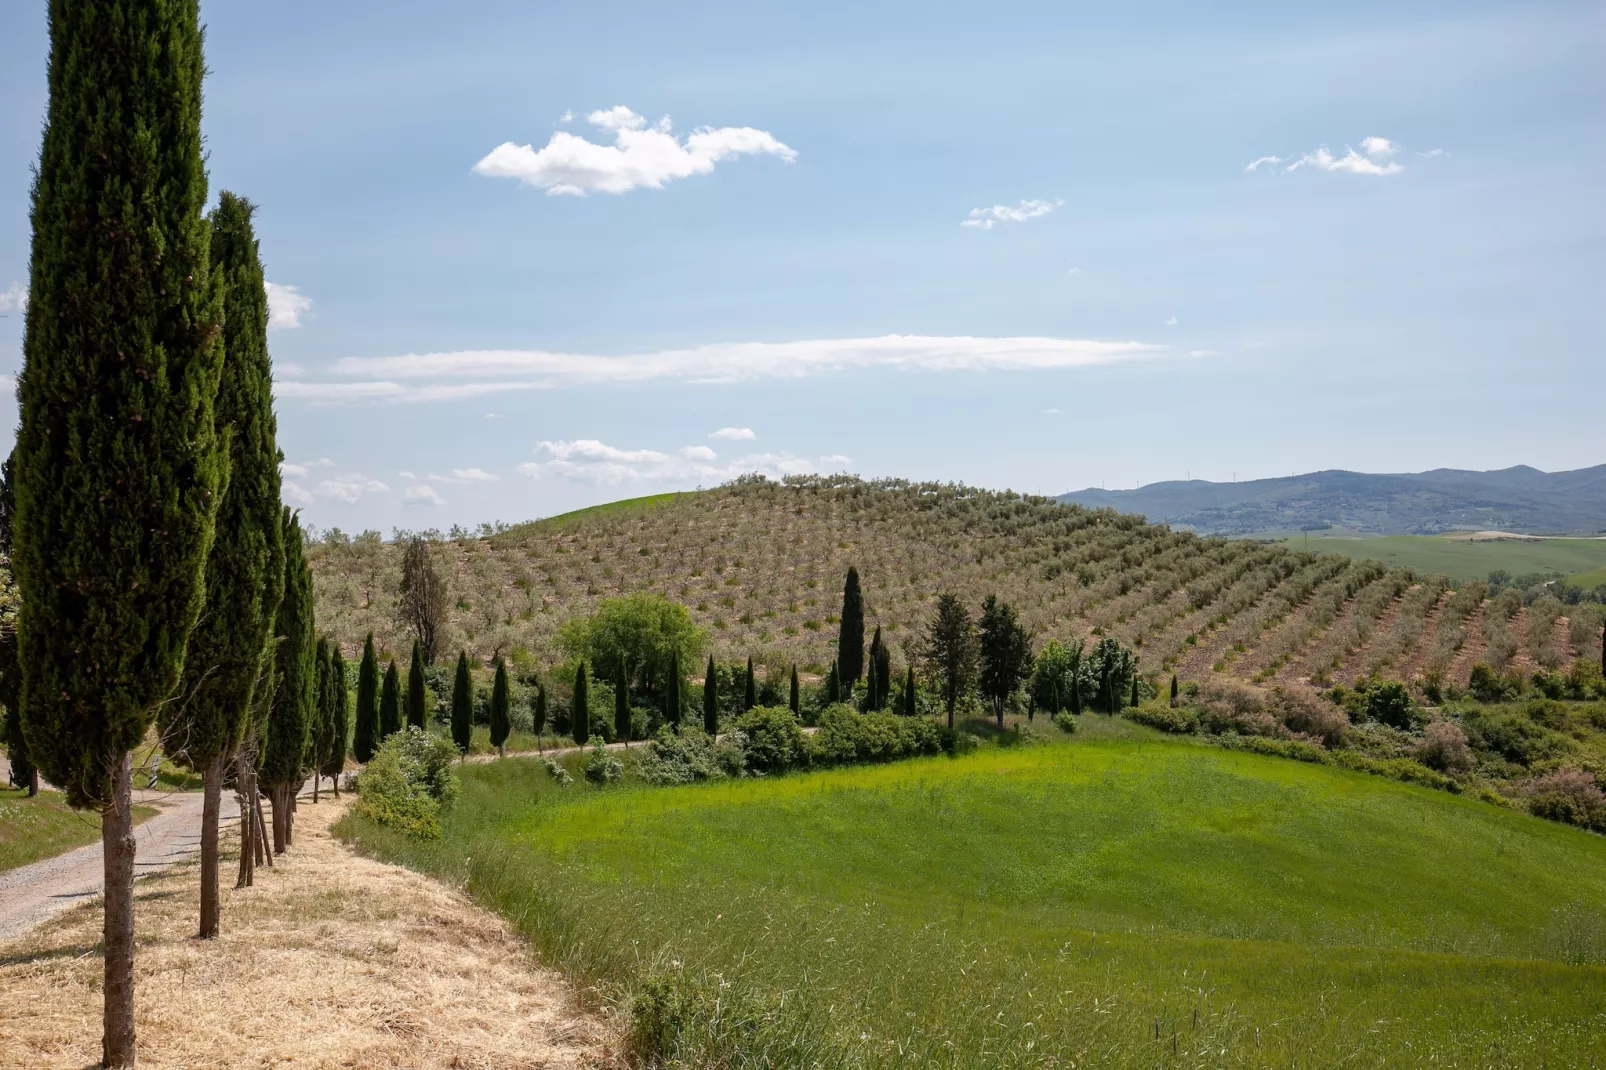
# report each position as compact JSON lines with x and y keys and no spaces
{"x":1391,"y":704}
{"x":1066,"y":721}
{"x":1485,"y":685}
{"x":846,"y":735}
{"x":687,"y":757}
{"x":557,"y":772}
{"x":1571,"y":796}
{"x":602,"y":767}
{"x":1512,"y":737}
{"x":1303,"y":712}
{"x":1444,"y":747}
{"x":775,"y":743}
{"x":1228,"y":706}
{"x":407,"y":781}
{"x":1181,"y":720}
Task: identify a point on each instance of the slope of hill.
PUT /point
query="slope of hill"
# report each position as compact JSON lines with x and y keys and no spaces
{"x":1519,"y":499}
{"x":760,"y":565}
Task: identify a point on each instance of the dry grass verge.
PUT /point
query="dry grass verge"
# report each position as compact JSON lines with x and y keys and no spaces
{"x":332,"y":960}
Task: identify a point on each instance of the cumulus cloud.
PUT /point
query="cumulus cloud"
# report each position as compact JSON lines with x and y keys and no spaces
{"x":591,"y":461}
{"x":422,"y":494}
{"x":14,"y":298}
{"x":295,"y":492}
{"x":733,"y":434}
{"x":640,"y":156}
{"x":286,"y":306}
{"x":474,"y":475}
{"x":445,"y":376}
{"x":987,"y":218}
{"x":836,"y":461}
{"x":349,"y":489}
{"x":1374,"y":158}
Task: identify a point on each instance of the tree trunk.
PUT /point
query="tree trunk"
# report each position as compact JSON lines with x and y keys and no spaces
{"x":117,"y":847}
{"x":248,"y":829}
{"x":211,"y":799}
{"x":264,"y":852}
{"x":33,"y":783}
{"x":317,"y":779}
{"x":280,"y":811}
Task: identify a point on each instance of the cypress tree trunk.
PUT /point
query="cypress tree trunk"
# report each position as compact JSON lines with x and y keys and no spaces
{"x":711,"y":699}
{"x":117,"y":838}
{"x":242,"y":779}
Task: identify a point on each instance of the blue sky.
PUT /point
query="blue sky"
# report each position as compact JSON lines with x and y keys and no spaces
{"x":1416,"y":280}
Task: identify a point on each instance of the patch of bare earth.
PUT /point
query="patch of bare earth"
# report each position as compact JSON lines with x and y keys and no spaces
{"x":332,"y":960}
{"x":1415,"y":660}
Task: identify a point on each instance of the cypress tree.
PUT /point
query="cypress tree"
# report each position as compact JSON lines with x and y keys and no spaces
{"x":910,"y":706}
{"x":23,"y":773}
{"x":881,"y":660}
{"x":118,"y":465}
{"x":501,"y":723}
{"x":334,"y":759}
{"x":205,"y":724}
{"x":322,"y":701}
{"x":390,"y":721}
{"x":366,"y":739}
{"x":580,"y":715}
{"x":1053,"y":697}
{"x":750,"y":695}
{"x":1603,"y":648}
{"x":672,"y":690}
{"x":417,"y":690}
{"x":281,"y":765}
{"x":1134,"y":702}
{"x":538,"y":713}
{"x":621,"y":705}
{"x":711,"y":699}
{"x":850,"y":637}
{"x":872,"y":687}
{"x":794,"y":699}
{"x":462,"y":705}
{"x":833,"y":686}
{"x":1173,"y":690}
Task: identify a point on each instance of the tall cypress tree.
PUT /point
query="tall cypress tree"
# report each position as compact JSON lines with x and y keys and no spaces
{"x":538,"y":713}
{"x":281,"y":765}
{"x":462,"y":705}
{"x":417,"y":690}
{"x":366,"y":739}
{"x":833,"y":686}
{"x":672,"y":690}
{"x":750,"y":693}
{"x":501,"y":722}
{"x":1174,"y":690}
{"x":23,"y":773}
{"x":390,"y":718}
{"x":322,"y":700}
{"x":334,"y":759}
{"x":119,"y":468}
{"x":580,"y":715}
{"x":872,"y":687}
{"x":206,"y":723}
{"x":621,"y":704}
{"x":711,"y":699}
{"x":1134,"y":702}
{"x":850,"y":637}
{"x":794,"y":699}
{"x":911,"y":705}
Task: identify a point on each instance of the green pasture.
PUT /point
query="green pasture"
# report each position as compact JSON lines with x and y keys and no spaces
{"x":1113,"y":901}
{"x":1461,"y":558}
{"x":626,"y":506}
{"x":44,"y":826}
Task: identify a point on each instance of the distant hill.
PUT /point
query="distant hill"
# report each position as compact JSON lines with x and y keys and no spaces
{"x":1519,"y":499}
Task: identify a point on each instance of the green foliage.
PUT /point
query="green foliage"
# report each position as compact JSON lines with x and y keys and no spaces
{"x":640,"y":632}
{"x":1110,"y":667}
{"x":833,"y":686}
{"x":390,"y":717}
{"x":794,"y":700}
{"x":580,"y":706}
{"x":462,"y":705}
{"x":1057,"y":675}
{"x":244,"y":579}
{"x":850,"y":633}
{"x":419,"y":698}
{"x":501,"y":721}
{"x":538,"y":709}
{"x":881,"y":661}
{"x":688,"y":756}
{"x":1004,"y":649}
{"x":407,"y":782}
{"x":602,"y":767}
{"x":119,"y":466}
{"x":749,"y":687}
{"x":950,"y":651}
{"x":1180,"y":720}
{"x":291,"y":718}
{"x":846,"y":736}
{"x":334,"y":760}
{"x":367,"y":737}
{"x":622,"y":714}
{"x":1065,"y":722}
{"x":1485,"y":685}
{"x":774,"y":742}
{"x":1390,"y":703}
{"x":321,"y":737}
{"x":672,"y":700}
{"x":711,"y":699}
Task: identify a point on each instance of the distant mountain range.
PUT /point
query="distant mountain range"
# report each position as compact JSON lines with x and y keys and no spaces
{"x":1519,"y":499}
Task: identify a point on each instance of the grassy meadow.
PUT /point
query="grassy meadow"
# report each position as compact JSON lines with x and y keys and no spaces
{"x":44,"y":826}
{"x":1113,"y":898}
{"x":1463,"y":558}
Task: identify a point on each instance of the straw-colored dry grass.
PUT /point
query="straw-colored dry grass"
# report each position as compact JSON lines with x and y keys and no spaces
{"x":332,"y":960}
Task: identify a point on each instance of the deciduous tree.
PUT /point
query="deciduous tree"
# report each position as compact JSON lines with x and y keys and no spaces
{"x":422,"y":601}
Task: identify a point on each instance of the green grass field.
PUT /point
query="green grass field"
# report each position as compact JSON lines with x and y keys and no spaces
{"x":625,"y":507}
{"x":42,"y":827}
{"x":1110,"y":901}
{"x":1465,"y":559}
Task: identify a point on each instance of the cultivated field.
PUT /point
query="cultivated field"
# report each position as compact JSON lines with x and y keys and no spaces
{"x":760,"y":565}
{"x":1114,"y":899}
{"x":1465,"y":557}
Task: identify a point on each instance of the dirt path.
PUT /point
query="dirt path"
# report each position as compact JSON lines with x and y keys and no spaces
{"x":331,"y":961}
{"x":34,"y":893}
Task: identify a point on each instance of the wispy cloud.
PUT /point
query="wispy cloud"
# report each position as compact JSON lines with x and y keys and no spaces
{"x":472,"y":373}
{"x":422,"y":494}
{"x":349,"y":488}
{"x":1376,"y":157}
{"x":14,"y":298}
{"x":733,"y":434}
{"x":286,"y":306}
{"x":474,"y":475}
{"x":591,"y":461}
{"x":640,"y":156}
{"x":987,"y":218}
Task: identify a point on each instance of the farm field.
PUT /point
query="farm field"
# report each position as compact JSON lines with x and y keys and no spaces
{"x":759,"y":565}
{"x":1462,"y":558}
{"x":1116,"y":899}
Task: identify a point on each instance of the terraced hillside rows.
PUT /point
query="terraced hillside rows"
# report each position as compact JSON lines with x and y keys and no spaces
{"x":760,"y":565}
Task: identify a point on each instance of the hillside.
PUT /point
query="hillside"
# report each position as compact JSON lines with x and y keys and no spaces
{"x":1519,"y":499}
{"x":760,"y":565}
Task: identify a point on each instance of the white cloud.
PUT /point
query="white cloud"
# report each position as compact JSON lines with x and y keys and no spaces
{"x":567,"y":116}
{"x":419,"y":377}
{"x":409,"y":476}
{"x":474,"y":475}
{"x":641,"y":155}
{"x":987,"y":218}
{"x":286,"y":306}
{"x":1170,"y":321}
{"x":836,"y":461}
{"x":591,"y":461}
{"x":422,"y":494}
{"x":296,"y":492}
{"x":1051,"y":412}
{"x":1432,"y":154}
{"x":698,"y":453}
{"x":1373,"y":159}
{"x":294,"y":471}
{"x":733,"y":434}
{"x":349,"y":488}
{"x":321,"y":462}
{"x":14,"y":298}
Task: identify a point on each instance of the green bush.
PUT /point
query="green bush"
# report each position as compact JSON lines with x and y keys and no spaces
{"x":689,"y":755}
{"x":1390,"y":703}
{"x":407,"y":782}
{"x":1181,"y":719}
{"x":774,"y":742}
{"x":847,"y":736}
{"x":602,"y":767}
{"x":1066,"y":722}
